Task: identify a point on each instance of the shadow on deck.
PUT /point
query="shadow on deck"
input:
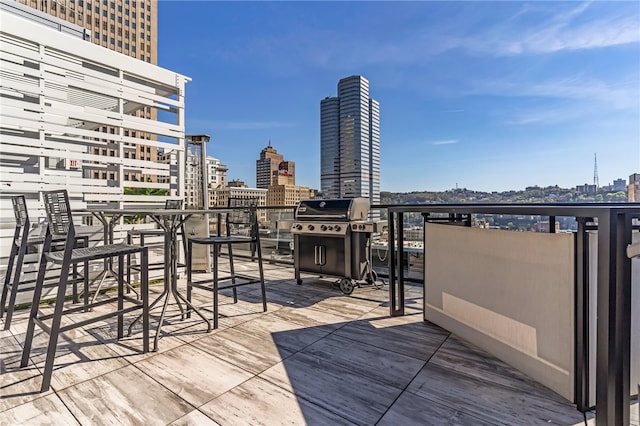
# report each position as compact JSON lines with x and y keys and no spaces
{"x":316,"y":357}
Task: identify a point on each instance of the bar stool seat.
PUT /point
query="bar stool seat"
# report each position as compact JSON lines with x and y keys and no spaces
{"x":243,"y":217}
{"x":26,"y":238}
{"x":61,"y":224}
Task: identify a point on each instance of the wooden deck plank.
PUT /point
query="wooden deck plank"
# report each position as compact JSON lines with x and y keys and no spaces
{"x":334,"y":387}
{"x":497,"y":403}
{"x":259,"y":402}
{"x":124,"y":396}
{"x":316,"y":357}
{"x":194,"y":375}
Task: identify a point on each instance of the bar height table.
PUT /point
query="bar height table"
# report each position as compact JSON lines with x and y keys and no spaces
{"x":170,"y":221}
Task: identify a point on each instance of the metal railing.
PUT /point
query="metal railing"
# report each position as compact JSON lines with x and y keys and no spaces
{"x":614,"y":224}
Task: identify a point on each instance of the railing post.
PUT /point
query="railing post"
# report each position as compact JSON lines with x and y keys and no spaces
{"x":396,"y":271}
{"x":582,"y":316}
{"x":614,"y":319}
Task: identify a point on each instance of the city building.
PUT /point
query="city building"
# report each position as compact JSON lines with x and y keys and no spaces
{"x":288,"y":195}
{"x":350,"y":142}
{"x":48,"y":99}
{"x":285,"y":175}
{"x":216,"y":173}
{"x":125,"y":26}
{"x":633,"y":190}
{"x":220,"y":196}
{"x":587,"y":189}
{"x":267,"y":164}
{"x":619,"y":185}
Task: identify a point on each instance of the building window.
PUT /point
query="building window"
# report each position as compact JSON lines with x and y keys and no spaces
{"x":112,"y":28}
{"x":105,"y":26}
{"x":126,"y":22}
{"x":126,"y":34}
{"x":96,"y":175}
{"x":148,"y":37}
{"x":126,"y":155}
{"x":119,"y":43}
{"x":133,"y":15}
{"x":97,"y":22}
{"x":112,"y":16}
{"x":96,"y":36}
{"x":88,"y":6}
{"x":104,"y":13}
{"x":104,"y":38}
{"x":81,"y":3}
{"x":120,"y":19}
{"x":133,"y":49}
{"x":120,"y":8}
{"x":104,"y":175}
{"x":142,"y":57}
{"x":120,"y":32}
{"x":126,"y":176}
{"x":112,"y":176}
{"x":126,"y":46}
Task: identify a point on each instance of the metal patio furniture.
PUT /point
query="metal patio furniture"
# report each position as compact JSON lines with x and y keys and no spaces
{"x":25,"y":238}
{"x":142,"y":234}
{"x":241,"y":227}
{"x":60,"y":224}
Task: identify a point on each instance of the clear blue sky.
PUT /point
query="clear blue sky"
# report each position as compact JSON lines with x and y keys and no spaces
{"x":485,"y":95}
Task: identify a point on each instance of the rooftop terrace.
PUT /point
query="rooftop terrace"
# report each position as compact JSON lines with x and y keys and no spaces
{"x":316,"y":357}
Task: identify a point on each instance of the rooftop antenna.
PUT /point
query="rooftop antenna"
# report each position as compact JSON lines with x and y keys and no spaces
{"x":596,"y":181}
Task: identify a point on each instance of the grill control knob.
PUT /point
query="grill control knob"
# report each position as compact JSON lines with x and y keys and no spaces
{"x":298,"y":227}
{"x":310,"y":227}
{"x":323,"y":227}
{"x":337,"y":228}
{"x":361,"y":226}
{"x":329,"y":227}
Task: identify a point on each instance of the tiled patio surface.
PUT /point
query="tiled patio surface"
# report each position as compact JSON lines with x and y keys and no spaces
{"x":316,"y":357}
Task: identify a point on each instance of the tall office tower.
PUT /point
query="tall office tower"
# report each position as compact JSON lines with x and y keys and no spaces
{"x":350,"y":142}
{"x":268,"y":163}
{"x":126,"y":26}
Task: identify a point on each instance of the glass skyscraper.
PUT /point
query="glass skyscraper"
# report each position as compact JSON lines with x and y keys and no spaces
{"x":350,"y":142}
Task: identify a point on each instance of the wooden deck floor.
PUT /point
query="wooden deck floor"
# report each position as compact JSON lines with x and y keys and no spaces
{"x":316,"y":357}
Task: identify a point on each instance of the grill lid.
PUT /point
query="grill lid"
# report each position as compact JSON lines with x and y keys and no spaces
{"x":341,"y":209}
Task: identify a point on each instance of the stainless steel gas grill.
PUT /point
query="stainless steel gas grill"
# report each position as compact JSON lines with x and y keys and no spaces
{"x":331,"y":238}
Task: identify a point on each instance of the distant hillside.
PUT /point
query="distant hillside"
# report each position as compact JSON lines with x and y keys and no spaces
{"x":535,"y":194}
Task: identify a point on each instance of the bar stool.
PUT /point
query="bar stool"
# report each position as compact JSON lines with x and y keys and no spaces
{"x":143,"y":233}
{"x":25,"y":238}
{"x":242,"y":218}
{"x":60,"y":224}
